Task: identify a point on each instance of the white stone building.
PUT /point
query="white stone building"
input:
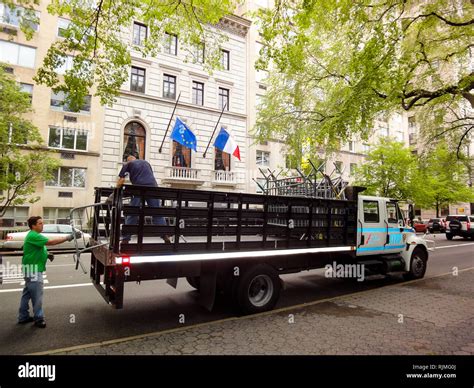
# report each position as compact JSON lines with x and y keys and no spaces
{"x":142,"y":112}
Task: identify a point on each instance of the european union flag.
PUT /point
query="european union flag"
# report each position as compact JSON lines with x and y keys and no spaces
{"x":183,"y":135}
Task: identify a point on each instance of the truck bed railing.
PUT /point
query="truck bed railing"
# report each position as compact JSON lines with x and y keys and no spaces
{"x":199,"y":221}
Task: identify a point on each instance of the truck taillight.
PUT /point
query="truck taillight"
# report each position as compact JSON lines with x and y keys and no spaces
{"x":126,"y":261}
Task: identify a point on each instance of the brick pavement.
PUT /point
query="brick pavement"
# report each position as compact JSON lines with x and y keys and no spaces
{"x":431,"y":316}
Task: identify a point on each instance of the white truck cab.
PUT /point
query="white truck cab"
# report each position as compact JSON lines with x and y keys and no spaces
{"x":381,"y":231}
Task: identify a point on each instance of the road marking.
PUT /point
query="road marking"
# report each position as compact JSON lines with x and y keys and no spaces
{"x":19,"y":279}
{"x":276,"y":311}
{"x":454,"y":246}
{"x":51,"y":287}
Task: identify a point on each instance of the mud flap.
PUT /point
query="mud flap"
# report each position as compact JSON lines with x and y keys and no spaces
{"x":173,"y":282}
{"x":207,"y":289}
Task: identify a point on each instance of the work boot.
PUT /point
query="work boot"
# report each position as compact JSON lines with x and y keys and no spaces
{"x":41,"y":323}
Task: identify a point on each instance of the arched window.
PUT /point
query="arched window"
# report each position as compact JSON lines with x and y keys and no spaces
{"x":134,"y":141}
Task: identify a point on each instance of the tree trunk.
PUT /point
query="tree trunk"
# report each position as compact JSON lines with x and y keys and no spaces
{"x":437,"y":209}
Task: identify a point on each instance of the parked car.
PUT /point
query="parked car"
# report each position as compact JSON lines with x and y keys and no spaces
{"x":459,"y":225}
{"x":436,"y":225}
{"x":420,"y":226}
{"x":17,"y":239}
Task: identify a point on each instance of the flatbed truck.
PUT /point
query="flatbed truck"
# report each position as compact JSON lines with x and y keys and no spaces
{"x":239,"y":244}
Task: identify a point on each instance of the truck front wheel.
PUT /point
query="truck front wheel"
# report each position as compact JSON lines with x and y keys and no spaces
{"x":257,"y":289}
{"x":417,"y":264}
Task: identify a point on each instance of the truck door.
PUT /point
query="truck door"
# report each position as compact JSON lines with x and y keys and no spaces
{"x":371,"y":228}
{"x":395,"y":240}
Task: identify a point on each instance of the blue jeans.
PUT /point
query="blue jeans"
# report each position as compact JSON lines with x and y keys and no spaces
{"x":33,"y":290}
{"x":133,"y":220}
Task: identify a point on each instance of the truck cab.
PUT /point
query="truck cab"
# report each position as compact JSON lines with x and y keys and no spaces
{"x":381,"y":231}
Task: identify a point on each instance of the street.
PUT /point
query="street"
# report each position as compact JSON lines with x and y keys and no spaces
{"x":76,"y":314}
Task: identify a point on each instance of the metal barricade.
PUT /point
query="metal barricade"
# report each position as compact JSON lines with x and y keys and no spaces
{"x":93,"y":223}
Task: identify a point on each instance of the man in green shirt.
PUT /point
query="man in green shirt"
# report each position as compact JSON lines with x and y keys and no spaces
{"x":34,"y":260}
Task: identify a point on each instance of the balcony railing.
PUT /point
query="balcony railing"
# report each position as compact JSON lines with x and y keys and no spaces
{"x":183,"y":175}
{"x":221,"y":177}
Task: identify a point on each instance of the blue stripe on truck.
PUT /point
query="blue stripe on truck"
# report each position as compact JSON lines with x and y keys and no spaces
{"x":380,"y":248}
{"x":383,"y":230}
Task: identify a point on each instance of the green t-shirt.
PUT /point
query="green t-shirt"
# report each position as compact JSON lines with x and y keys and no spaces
{"x":35,"y":253}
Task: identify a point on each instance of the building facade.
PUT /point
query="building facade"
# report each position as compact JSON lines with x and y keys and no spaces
{"x":73,"y":137}
{"x":141,"y":118}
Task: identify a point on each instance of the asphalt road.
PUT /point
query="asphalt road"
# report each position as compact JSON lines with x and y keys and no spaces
{"x":76,"y":314}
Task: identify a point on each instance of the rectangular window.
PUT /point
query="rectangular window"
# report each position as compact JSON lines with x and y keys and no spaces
{"x":221,"y":161}
{"x":66,"y":66}
{"x":68,"y":138}
{"x":16,"y":54}
{"x":28,"y":89}
{"x":68,"y":177}
{"x":57,"y":215}
{"x":225,"y":59}
{"x":139,"y":34}
{"x":392,"y":213}
{"x":263,"y":158}
{"x":353,"y":167}
{"x":371,"y":211}
{"x":224,"y":98}
{"x":58,"y":102}
{"x":12,"y":16}
{"x":63,"y":25}
{"x":199,"y":52}
{"x":198,"y":93}
{"x":169,"y":86}
{"x":171,"y":44}
{"x":181,"y":155}
{"x":137,"y":80}
{"x":15,"y":216}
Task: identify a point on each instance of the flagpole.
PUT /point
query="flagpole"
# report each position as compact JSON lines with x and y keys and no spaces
{"x":222,"y":111}
{"x":169,"y":123}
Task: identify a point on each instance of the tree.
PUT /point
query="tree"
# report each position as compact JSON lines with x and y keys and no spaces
{"x":391,"y":171}
{"x":339,"y":65}
{"x":21,"y":165}
{"x":445,"y":178}
{"x":95,"y":38}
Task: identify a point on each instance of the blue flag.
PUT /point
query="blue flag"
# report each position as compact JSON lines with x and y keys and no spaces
{"x":183,"y":135}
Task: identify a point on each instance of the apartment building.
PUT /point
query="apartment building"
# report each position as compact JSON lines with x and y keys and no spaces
{"x":73,"y":137}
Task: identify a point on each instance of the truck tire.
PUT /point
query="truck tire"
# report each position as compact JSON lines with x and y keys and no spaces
{"x":194,"y":282}
{"x":257,"y":289}
{"x":417,"y":265}
{"x":449,"y":236}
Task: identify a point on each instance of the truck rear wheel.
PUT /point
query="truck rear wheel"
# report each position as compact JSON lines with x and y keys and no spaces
{"x":257,"y":289}
{"x":417,"y":265}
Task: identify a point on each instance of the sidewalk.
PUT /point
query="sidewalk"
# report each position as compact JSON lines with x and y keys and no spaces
{"x":427,"y":317}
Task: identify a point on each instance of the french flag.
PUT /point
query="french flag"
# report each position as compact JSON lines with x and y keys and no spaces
{"x":226,"y":143}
